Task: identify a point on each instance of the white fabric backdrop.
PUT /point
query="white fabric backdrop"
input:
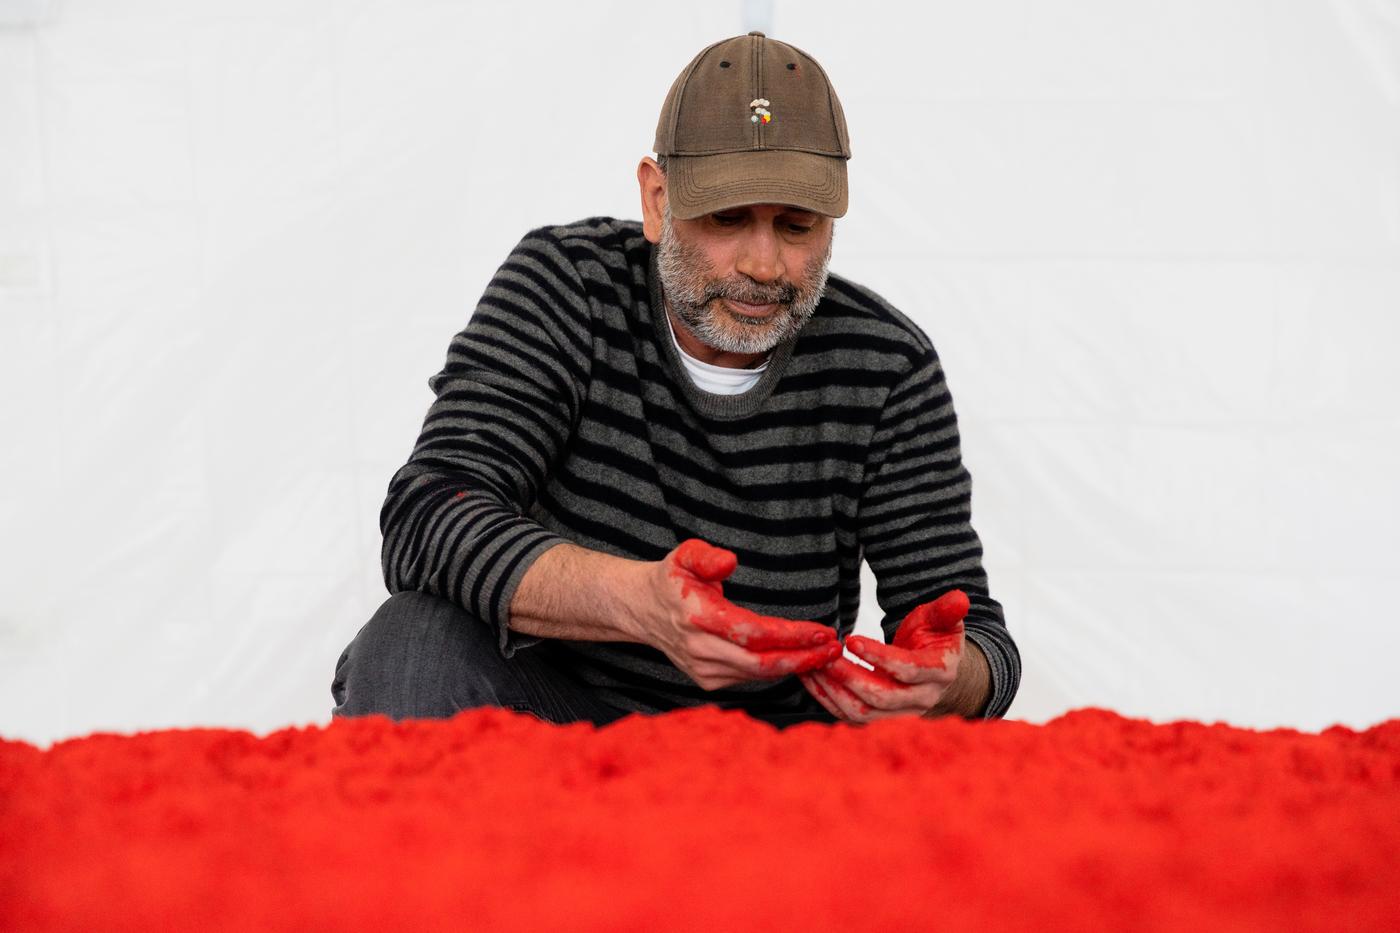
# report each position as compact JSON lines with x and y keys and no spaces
{"x":1156,"y":246}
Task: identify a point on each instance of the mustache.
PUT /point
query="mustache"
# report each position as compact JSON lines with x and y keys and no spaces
{"x":780,"y":294}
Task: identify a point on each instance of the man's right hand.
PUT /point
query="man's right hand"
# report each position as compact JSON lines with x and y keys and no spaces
{"x":715,"y":642}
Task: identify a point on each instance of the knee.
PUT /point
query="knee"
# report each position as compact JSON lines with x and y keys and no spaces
{"x":419,"y":655}
{"x":414,"y":618}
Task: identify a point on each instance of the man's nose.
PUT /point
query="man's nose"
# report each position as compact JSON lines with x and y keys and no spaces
{"x":760,"y":257}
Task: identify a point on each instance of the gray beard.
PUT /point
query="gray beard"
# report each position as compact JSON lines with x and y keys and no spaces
{"x":696,"y":301}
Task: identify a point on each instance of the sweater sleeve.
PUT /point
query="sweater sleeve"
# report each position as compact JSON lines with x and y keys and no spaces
{"x":915,"y":521}
{"x":507,"y":401}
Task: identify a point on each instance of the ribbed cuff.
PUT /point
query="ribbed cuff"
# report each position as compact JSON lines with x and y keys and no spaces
{"x":510,"y":640}
{"x":1003,"y":663}
{"x":480,"y":555}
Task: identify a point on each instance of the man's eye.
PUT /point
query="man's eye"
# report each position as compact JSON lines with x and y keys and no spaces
{"x":798,"y":228}
{"x":726,"y":219}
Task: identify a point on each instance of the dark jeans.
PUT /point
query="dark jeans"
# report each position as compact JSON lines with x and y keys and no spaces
{"x":424,"y":657}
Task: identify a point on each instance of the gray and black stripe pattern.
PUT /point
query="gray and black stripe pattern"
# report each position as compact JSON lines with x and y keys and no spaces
{"x":564,"y":413}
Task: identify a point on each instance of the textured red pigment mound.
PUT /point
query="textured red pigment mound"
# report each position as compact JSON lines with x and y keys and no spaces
{"x":704,"y":819}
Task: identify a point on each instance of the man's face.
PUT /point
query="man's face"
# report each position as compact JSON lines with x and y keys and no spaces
{"x":744,"y":280}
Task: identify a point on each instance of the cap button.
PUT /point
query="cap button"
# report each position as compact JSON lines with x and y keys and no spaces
{"x":759,"y":34}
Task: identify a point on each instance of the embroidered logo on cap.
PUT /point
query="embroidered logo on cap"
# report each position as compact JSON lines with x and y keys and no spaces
{"x":760,"y":112}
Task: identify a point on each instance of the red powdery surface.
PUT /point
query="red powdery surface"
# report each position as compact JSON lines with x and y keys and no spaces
{"x":705,"y":819}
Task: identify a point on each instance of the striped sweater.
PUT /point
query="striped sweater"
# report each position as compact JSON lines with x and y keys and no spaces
{"x":563,"y":412}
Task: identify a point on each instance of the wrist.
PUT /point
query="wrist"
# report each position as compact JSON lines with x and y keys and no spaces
{"x":631,"y":592}
{"x":968,"y":694}
{"x":573,"y":592}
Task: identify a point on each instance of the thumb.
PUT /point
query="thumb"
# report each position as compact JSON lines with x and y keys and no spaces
{"x":706,"y":561}
{"x":943,"y":615}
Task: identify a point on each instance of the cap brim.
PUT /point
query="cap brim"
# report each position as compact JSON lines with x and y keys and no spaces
{"x":699,"y":185}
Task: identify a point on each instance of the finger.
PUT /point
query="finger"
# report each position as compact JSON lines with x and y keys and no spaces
{"x":883,"y":702}
{"x":851,"y":707}
{"x":931,"y":665}
{"x":815,"y":690}
{"x":874,"y":688}
{"x":930,"y":624}
{"x":704,"y":560}
{"x":765,"y":633}
{"x":763,"y":665}
{"x":748,"y":629}
{"x":875,"y":714}
{"x":772,"y":664}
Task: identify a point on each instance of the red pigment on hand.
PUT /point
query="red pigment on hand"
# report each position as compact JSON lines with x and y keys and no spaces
{"x":706,"y":561}
{"x":928,"y":634}
{"x":787,"y":646}
{"x":835,"y":677}
{"x":923,"y":642}
{"x":705,"y":820}
{"x":777,"y":662}
{"x":933,"y":625}
{"x":846,"y":673}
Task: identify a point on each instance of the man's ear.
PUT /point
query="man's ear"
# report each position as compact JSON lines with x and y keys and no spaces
{"x":652,"y":182}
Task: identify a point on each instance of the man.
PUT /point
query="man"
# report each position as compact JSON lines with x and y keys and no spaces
{"x":660,"y":451}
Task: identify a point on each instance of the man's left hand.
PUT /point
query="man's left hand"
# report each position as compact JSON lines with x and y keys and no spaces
{"x":911,"y":673}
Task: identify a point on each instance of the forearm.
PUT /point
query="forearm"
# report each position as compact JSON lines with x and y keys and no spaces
{"x":574,"y":593}
{"x":968,"y":694}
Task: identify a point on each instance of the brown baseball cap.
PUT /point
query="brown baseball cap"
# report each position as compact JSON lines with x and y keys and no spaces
{"x":752,"y":120}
